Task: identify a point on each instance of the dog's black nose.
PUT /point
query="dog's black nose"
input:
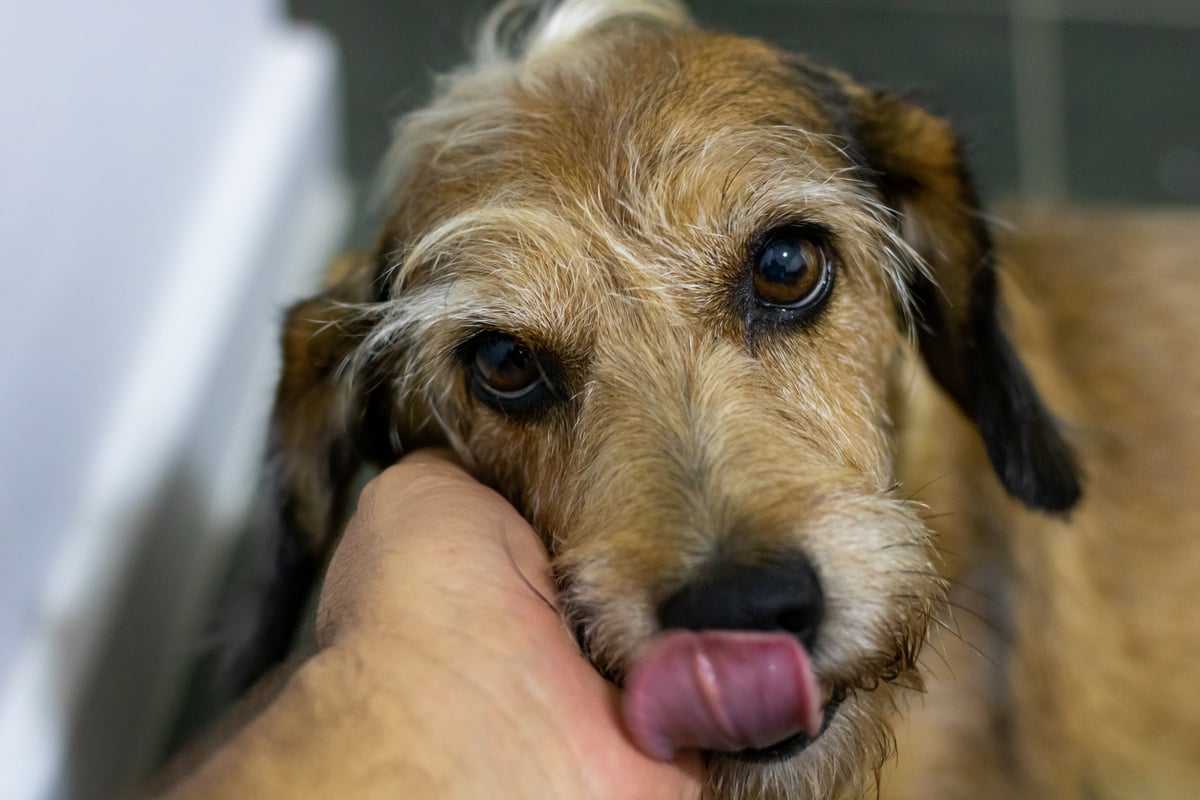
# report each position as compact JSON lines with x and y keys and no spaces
{"x":776,"y":595}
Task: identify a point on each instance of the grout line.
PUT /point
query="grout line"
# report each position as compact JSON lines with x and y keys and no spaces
{"x":1037,"y":71}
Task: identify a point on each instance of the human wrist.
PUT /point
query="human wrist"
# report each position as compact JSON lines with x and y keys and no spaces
{"x":418,"y":711}
{"x":333,"y":729}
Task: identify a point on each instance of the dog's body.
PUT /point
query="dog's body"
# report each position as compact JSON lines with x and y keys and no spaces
{"x":1067,"y":669}
{"x":671,"y":292}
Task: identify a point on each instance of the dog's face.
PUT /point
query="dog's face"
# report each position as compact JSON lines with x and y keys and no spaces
{"x":654,"y":286}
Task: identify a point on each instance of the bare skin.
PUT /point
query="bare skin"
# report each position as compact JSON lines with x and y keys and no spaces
{"x":441,"y":671}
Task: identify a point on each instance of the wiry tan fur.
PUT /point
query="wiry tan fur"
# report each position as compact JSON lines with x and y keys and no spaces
{"x":590,"y":189}
{"x":1066,"y":665}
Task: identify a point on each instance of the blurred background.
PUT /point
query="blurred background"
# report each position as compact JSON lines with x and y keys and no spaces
{"x":1088,"y":100}
{"x":173,"y":173}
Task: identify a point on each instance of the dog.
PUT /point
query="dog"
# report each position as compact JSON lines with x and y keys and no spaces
{"x":732,"y":331}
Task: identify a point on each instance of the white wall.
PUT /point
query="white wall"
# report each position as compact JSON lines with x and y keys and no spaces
{"x":109,"y":115}
{"x":159,"y":159}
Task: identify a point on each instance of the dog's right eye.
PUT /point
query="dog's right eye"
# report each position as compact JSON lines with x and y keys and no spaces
{"x":507,"y":375}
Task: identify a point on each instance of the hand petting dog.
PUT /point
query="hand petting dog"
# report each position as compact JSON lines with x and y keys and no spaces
{"x":444,"y":670}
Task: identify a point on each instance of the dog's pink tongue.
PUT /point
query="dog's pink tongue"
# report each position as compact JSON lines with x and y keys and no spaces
{"x":721,"y":690}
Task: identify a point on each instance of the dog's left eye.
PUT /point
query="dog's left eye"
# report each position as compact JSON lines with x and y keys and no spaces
{"x":505,"y":374}
{"x":791,"y":269}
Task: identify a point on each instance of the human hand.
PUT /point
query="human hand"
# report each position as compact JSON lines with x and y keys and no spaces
{"x":443,"y":670}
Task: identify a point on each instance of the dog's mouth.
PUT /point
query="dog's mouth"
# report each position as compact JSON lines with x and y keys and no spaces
{"x":752,"y":695}
{"x":792,"y":745}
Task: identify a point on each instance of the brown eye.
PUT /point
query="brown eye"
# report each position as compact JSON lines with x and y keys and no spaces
{"x":509,"y":376}
{"x":791,"y":270}
{"x":506,"y":368}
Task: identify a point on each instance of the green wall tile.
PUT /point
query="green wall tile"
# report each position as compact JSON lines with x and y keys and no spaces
{"x":1132,"y":99}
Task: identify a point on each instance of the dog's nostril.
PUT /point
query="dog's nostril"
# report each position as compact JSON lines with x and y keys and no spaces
{"x":776,"y":595}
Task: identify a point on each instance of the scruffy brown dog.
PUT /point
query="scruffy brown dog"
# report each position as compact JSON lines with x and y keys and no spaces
{"x":726,"y":327}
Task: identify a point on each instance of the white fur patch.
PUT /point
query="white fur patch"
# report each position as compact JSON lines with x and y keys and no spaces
{"x":563,"y":23}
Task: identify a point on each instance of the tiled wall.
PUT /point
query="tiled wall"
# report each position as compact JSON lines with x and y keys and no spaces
{"x":1088,"y":100}
{"x":1091,"y":100}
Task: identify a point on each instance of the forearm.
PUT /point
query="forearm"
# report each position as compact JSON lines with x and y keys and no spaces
{"x":348,"y":725}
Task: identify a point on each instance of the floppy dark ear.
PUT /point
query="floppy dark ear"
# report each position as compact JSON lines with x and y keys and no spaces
{"x":320,"y":436}
{"x":917,"y":160}
{"x":320,"y":432}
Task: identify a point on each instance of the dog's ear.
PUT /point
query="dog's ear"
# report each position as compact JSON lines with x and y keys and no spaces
{"x":916,"y":160}
{"x":321,"y":433}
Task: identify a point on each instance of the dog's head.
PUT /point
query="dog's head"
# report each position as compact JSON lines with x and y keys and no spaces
{"x":652,"y":283}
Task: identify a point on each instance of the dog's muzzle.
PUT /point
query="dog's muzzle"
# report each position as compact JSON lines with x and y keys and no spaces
{"x":732,"y":672}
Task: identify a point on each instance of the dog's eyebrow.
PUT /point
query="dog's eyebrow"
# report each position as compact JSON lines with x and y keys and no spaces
{"x":460,"y":244}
